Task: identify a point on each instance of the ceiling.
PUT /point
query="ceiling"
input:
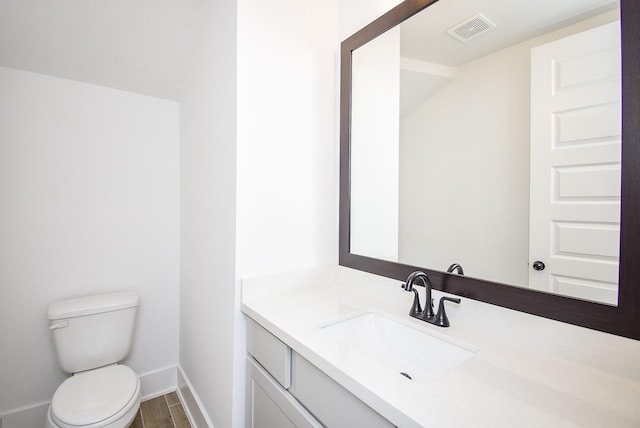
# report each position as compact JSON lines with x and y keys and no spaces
{"x":145,"y":46}
{"x":142,"y":46}
{"x":424,"y":36}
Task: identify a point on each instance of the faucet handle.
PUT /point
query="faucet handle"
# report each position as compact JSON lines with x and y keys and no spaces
{"x":441,"y":319}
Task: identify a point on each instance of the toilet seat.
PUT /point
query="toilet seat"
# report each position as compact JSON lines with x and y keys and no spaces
{"x":96,"y":398}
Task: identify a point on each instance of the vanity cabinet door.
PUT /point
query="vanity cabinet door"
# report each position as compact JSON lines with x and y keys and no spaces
{"x":334,"y":406}
{"x":271,"y":406}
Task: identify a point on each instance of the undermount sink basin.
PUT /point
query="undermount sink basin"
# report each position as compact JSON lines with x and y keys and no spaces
{"x":419,"y":356}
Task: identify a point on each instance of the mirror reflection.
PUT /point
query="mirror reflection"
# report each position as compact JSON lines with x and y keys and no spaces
{"x":488,"y":135}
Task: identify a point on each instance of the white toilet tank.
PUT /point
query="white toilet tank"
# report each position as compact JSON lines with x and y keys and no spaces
{"x":93,"y":331}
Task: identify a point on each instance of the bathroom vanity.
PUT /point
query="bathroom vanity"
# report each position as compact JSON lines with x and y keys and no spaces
{"x":518,"y":369}
{"x":541,"y":338}
{"x":283,"y":385}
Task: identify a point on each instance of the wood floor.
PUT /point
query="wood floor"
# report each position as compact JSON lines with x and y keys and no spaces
{"x":165,"y":411}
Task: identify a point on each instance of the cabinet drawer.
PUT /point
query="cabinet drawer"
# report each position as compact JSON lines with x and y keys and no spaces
{"x":270,"y":406}
{"x":329,"y":402}
{"x":270,"y":352}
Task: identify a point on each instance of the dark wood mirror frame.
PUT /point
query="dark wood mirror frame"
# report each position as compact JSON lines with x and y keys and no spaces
{"x":623,"y":319}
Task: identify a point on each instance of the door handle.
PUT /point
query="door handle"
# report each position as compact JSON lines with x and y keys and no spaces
{"x":538,"y":265}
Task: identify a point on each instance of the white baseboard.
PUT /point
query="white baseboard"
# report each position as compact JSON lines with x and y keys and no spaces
{"x":158,"y":382}
{"x":191,"y":402}
{"x":152,"y":384}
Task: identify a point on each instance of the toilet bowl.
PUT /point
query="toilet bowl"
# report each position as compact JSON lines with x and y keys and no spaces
{"x":91,"y":335}
{"x":108,"y":397}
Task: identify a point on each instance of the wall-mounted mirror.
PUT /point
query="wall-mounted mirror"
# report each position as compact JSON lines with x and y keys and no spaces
{"x":489,"y":134}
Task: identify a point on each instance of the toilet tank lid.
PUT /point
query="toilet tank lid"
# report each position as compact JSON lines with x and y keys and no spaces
{"x":94,"y":304}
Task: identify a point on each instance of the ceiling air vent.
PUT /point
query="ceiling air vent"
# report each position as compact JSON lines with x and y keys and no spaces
{"x":471,"y":27}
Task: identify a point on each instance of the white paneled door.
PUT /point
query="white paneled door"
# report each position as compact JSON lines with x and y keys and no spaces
{"x":575,"y":165}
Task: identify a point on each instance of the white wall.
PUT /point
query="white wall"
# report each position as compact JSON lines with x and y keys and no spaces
{"x":89,"y":203}
{"x":285,"y":170}
{"x":287,"y":153}
{"x":355,"y":14}
{"x":375,"y":147}
{"x":208,"y":173}
{"x":465,"y":172}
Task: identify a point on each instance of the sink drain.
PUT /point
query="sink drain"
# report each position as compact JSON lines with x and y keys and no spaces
{"x":406,"y":375}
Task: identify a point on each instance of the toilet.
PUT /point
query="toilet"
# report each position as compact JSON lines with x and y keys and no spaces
{"x":91,"y":335}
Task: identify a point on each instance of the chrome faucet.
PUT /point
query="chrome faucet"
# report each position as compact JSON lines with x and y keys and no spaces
{"x":440,"y":319}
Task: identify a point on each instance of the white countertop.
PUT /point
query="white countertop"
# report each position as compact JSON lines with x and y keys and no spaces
{"x":526,"y":372}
